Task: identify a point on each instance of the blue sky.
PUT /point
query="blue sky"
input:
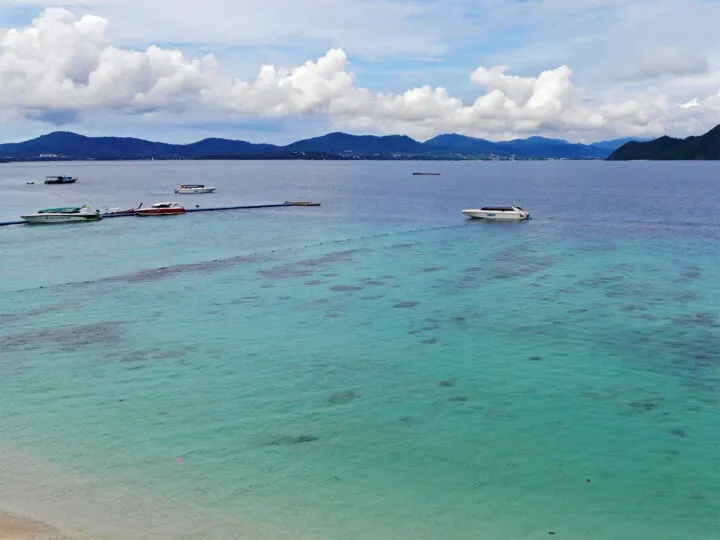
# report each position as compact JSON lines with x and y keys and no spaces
{"x":588,"y":70}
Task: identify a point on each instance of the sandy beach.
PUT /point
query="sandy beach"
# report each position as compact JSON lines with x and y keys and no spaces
{"x":41,"y":501}
{"x":13,"y":527}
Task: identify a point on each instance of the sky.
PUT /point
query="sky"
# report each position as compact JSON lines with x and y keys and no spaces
{"x":282,"y":70}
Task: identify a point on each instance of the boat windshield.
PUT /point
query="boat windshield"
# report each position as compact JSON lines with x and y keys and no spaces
{"x":163,"y":205}
{"x":498,"y":208}
{"x":64,"y":209}
{"x":192,"y":186}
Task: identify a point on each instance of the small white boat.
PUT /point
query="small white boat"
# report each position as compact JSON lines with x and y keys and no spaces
{"x":65,"y":214}
{"x":500,"y":213}
{"x":60,"y":179}
{"x":192,"y":189}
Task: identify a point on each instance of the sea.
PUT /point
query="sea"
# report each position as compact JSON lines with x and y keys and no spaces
{"x":375,"y":368}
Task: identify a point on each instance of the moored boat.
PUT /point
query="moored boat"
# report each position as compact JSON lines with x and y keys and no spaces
{"x":192,"y":189}
{"x":160,"y":209}
{"x":60,"y":180}
{"x":500,"y":213}
{"x":64,"y":214}
{"x":120,"y":211}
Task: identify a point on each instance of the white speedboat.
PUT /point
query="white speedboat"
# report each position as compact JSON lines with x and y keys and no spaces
{"x":500,"y":213}
{"x":65,"y":214}
{"x":60,"y":179}
{"x":192,"y":189}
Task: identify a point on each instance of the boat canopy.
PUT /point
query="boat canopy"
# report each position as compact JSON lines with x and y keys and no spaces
{"x":60,"y":209}
{"x":61,"y":177}
{"x":498,"y":208}
{"x":192,"y":185}
{"x":163,"y":205}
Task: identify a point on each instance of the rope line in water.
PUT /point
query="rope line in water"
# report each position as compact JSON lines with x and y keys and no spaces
{"x":187,"y":210}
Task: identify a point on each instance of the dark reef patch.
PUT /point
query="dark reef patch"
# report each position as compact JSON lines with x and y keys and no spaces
{"x":602,"y":280}
{"x":288,"y":440}
{"x":307,"y":267}
{"x":345,"y":288}
{"x":643,"y":405}
{"x":175,"y":353}
{"x":155,"y":274}
{"x":687,"y":297}
{"x":697,"y":319}
{"x":66,"y":338}
{"x":406,"y":420}
{"x":10,"y":317}
{"x":342,"y":397}
{"x":691,"y":273}
{"x":406,"y":304}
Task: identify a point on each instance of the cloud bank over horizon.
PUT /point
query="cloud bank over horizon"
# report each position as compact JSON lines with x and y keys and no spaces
{"x":63,"y":68}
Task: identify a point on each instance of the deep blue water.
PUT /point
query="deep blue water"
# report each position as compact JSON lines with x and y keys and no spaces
{"x":375,"y":368}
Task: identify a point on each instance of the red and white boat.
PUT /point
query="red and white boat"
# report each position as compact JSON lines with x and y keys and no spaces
{"x":161,"y":209}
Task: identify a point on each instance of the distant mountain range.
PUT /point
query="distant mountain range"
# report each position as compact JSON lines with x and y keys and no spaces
{"x":62,"y":145}
{"x":667,"y":148}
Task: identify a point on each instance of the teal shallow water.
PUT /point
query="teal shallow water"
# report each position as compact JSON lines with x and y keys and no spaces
{"x":370,"y":379}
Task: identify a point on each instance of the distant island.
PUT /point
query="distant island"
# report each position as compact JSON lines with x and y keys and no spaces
{"x":67,"y":146}
{"x":667,"y":148}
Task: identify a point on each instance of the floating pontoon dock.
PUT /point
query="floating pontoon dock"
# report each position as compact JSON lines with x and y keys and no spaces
{"x":188,"y":210}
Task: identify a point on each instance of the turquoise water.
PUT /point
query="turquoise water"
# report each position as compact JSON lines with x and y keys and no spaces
{"x":379,"y":367}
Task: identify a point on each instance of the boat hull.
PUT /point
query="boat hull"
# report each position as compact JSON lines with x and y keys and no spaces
{"x":159,"y":212}
{"x":194,"y":191}
{"x":496,"y":215}
{"x":50,"y":219}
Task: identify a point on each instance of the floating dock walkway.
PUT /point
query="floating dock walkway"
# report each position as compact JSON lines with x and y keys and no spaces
{"x":188,"y":210}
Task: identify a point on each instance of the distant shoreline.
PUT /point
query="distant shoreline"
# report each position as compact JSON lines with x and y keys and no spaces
{"x":287,"y":158}
{"x":65,"y":145}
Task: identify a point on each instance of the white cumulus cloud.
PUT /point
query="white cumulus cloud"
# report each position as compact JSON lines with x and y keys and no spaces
{"x":63,"y":65}
{"x":61,"y":62}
